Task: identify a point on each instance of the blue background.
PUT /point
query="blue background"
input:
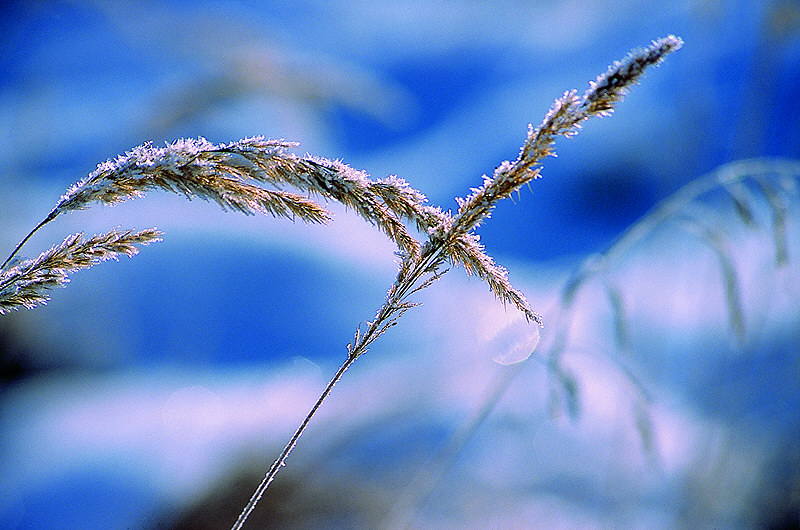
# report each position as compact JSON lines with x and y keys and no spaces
{"x":144,"y":391}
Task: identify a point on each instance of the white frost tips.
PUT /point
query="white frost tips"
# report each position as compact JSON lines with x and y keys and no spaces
{"x":514,"y":343}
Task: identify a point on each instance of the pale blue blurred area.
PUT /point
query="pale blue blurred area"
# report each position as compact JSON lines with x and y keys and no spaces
{"x":149,"y":384}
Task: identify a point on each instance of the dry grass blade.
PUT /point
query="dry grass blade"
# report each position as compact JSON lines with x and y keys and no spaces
{"x":193,"y":168}
{"x":333,"y":180}
{"x":227,"y":174}
{"x":26,"y":284}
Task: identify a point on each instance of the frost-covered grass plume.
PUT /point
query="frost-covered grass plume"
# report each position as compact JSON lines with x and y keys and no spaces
{"x":256,"y":175}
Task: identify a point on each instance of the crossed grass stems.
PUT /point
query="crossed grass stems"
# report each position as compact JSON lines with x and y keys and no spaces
{"x":233,"y":175}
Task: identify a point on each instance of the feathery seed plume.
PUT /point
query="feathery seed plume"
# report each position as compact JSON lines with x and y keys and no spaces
{"x":25,"y":284}
{"x":563,"y":119}
{"x":193,"y":168}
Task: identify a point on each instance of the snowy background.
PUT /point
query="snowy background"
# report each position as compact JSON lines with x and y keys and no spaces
{"x":155,"y":392}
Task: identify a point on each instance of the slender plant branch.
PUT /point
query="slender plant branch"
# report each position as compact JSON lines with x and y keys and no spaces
{"x":394,"y":306}
{"x":280,"y":462}
{"x":25,"y":240}
{"x":452,"y":237}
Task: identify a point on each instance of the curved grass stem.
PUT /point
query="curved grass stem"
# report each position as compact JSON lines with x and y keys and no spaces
{"x":25,"y":240}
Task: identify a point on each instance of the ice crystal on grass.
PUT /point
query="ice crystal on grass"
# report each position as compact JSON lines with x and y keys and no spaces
{"x":26,"y":283}
{"x":192,"y":168}
{"x":563,"y":119}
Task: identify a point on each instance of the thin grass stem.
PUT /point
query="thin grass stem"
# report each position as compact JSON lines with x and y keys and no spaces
{"x":25,"y":240}
{"x":280,"y":462}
